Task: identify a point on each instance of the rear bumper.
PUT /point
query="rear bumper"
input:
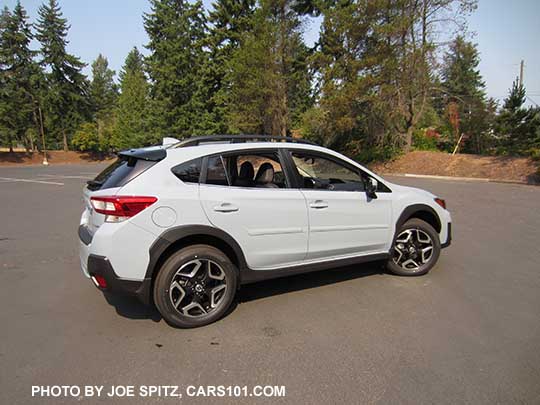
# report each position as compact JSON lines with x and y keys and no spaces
{"x":101,"y":266}
{"x":448,"y":236}
{"x":99,"y":258}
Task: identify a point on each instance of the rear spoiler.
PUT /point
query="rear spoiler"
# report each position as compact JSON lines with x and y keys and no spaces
{"x":153,"y":154}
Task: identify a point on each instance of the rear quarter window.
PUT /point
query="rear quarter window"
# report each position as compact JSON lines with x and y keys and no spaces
{"x":188,"y":172}
{"x":123,"y":170}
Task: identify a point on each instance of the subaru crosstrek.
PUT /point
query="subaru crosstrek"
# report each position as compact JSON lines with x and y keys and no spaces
{"x":183,"y":226}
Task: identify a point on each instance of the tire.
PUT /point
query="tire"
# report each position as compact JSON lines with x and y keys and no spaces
{"x":189,"y":294}
{"x":411,"y":243}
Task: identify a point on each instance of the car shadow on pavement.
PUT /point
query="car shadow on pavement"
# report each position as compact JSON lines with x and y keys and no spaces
{"x":130,"y":307}
{"x":263,"y":289}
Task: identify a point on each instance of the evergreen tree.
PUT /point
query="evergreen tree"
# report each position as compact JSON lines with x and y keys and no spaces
{"x":518,"y":127}
{"x":131,"y":128}
{"x":230,"y":20}
{"x":461,"y":77}
{"x":66,"y":101}
{"x":19,"y":74}
{"x":6,"y":134}
{"x":96,"y":135}
{"x":463,"y":85}
{"x":270,"y":85}
{"x":177,"y":31}
{"x":134,"y":63}
{"x":103,"y":91}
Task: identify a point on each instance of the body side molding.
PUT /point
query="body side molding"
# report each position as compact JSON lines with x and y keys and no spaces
{"x":252,"y":276}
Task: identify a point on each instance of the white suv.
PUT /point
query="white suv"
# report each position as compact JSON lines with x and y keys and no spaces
{"x":183,"y":226}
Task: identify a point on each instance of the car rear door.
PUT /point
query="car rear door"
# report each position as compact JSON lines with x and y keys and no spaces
{"x":269,"y":221}
{"x":343,"y":220}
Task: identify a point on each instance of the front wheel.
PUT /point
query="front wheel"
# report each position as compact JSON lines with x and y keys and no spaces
{"x":195,"y":286}
{"x":416,"y":249}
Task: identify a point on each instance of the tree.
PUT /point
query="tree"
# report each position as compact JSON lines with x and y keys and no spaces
{"x":375,"y":65}
{"x":19,"y":74}
{"x":6,"y":134}
{"x":270,"y":85}
{"x":134,"y":63}
{"x":177,"y":31}
{"x":230,"y":21}
{"x":518,"y":127}
{"x":91,"y":136}
{"x":103,"y":91}
{"x":131,"y":127}
{"x":103,"y":94}
{"x":462,"y":85}
{"x":66,"y":102}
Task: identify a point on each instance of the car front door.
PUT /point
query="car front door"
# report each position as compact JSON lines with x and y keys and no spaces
{"x":343,"y":220}
{"x":247,"y":195}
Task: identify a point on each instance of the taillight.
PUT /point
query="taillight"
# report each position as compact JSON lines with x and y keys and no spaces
{"x":441,"y":202}
{"x":119,"y":208}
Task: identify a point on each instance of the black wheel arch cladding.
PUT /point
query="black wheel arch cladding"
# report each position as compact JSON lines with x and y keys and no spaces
{"x":420,"y":211}
{"x":175,"y":238}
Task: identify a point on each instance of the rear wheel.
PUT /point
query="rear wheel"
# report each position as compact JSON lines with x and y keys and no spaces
{"x":195,"y":286}
{"x":416,"y":249}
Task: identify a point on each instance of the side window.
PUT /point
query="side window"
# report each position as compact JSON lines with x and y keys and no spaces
{"x":188,"y":172}
{"x":324,"y":173}
{"x":254,"y":169}
{"x":258,"y":169}
{"x":216,"y":172}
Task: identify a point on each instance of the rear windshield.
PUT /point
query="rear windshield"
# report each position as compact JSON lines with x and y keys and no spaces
{"x":119,"y":173}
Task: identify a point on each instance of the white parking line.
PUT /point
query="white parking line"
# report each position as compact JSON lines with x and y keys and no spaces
{"x":9,"y":179}
{"x":59,"y":176}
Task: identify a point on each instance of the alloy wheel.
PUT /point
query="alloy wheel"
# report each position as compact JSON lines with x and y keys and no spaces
{"x":413,"y":249}
{"x":198,"y":287}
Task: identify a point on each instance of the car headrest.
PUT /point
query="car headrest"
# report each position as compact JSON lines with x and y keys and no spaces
{"x":246,"y":171}
{"x":265,"y":174}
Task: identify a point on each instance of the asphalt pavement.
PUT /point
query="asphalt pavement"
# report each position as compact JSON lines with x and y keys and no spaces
{"x":468,"y":332}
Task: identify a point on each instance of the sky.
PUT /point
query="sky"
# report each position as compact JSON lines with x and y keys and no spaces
{"x":506,"y":32}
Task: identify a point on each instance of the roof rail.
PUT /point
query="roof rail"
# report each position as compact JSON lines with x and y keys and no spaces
{"x":198,"y":140}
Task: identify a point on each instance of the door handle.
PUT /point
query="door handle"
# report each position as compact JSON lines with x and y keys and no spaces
{"x":225,"y":207}
{"x":318,"y":204}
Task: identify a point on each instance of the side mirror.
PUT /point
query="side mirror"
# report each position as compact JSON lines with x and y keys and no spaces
{"x":371,"y":186}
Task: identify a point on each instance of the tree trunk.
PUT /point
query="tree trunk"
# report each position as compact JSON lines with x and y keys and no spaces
{"x":10,"y":142}
{"x":36,"y":122}
{"x":66,"y":148}
{"x":284,"y":111}
{"x":26,"y":142}
{"x":424,"y":27}
{"x":408,"y":139}
{"x":42,"y":131}
{"x":100,"y":134}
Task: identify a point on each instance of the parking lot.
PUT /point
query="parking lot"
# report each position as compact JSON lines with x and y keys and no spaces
{"x":468,"y":332}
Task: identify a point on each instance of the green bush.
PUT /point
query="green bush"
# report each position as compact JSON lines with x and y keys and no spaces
{"x":86,"y":137}
{"x":425,"y":139}
{"x":89,"y":137}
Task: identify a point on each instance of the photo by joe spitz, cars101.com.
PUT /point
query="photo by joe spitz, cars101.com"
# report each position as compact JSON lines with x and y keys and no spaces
{"x":183,"y":225}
